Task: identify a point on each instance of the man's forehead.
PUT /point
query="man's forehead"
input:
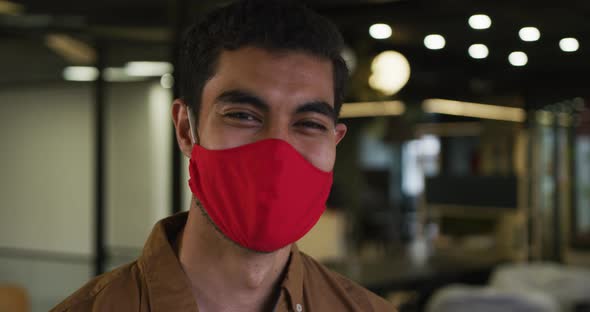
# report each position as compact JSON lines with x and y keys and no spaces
{"x":298,"y":74}
{"x":252,"y":55}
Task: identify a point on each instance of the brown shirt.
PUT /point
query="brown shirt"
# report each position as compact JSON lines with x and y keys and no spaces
{"x":156,"y":282}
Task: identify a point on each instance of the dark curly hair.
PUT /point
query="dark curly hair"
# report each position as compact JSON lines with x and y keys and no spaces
{"x":275,"y":25}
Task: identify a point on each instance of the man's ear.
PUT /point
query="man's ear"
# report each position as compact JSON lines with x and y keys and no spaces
{"x":340,"y":132}
{"x":182,"y":127}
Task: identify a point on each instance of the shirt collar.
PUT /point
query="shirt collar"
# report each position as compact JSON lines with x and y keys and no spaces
{"x":168,"y":286}
{"x":293,"y":281}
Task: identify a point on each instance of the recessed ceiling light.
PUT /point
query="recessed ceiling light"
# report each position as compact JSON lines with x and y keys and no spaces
{"x":434,"y":42}
{"x":478,"y":51}
{"x":529,"y":34}
{"x":569,"y":44}
{"x":380,"y":31}
{"x":480,"y":21}
{"x":518,"y":58}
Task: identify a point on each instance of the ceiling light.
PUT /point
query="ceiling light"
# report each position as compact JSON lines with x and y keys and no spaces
{"x":119,"y":74}
{"x":434,"y":42}
{"x":569,"y":44}
{"x":11,"y":8}
{"x":480,"y":21}
{"x":478,"y":51}
{"x":390,"y":72}
{"x":476,"y":110}
{"x":349,"y":58}
{"x":518,"y":58}
{"x":167,"y":81}
{"x":370,"y":109}
{"x":148,"y":69}
{"x":380,"y":31}
{"x":80,"y":73}
{"x":529,"y":34}
{"x":71,"y":49}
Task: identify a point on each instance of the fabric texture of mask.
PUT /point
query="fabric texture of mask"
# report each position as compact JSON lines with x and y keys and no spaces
{"x":263,"y":195}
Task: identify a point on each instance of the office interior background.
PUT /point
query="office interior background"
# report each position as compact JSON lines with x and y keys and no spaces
{"x":463,"y":181}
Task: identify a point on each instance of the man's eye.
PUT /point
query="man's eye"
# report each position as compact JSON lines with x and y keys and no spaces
{"x":241,"y":116}
{"x":312,"y":125}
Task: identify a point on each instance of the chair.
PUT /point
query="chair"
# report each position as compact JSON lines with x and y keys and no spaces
{"x":462,"y":298}
{"x":569,"y":286}
{"x":13,"y":299}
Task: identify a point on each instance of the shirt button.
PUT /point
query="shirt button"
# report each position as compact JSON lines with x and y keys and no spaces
{"x":299,"y":308}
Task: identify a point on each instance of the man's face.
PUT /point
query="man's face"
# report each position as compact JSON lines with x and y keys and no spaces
{"x":256,"y":94}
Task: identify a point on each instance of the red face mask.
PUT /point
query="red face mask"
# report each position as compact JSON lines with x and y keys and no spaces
{"x":263,"y":195}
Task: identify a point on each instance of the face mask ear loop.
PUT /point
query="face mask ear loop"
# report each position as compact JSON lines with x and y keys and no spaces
{"x":192,"y":124}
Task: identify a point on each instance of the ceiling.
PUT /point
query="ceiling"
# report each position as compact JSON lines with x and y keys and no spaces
{"x":135,"y":29}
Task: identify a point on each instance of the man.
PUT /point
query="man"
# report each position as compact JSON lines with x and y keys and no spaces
{"x":261,"y":85}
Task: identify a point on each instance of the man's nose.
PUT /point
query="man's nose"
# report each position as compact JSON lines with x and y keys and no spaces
{"x":277,"y":130}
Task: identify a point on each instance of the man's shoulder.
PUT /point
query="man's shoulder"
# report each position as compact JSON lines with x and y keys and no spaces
{"x":328,"y":279}
{"x":117,"y":290}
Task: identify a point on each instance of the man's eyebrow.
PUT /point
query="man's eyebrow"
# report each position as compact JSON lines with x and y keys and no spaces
{"x":242,"y":97}
{"x":319,"y":107}
{"x":238,"y":96}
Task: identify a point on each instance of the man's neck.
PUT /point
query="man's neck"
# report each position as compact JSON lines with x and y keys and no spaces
{"x":224,"y":276}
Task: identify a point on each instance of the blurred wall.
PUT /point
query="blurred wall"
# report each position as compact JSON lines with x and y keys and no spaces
{"x":46,"y":164}
{"x":47,"y":179}
{"x":139,"y":159}
{"x":46,"y":188}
